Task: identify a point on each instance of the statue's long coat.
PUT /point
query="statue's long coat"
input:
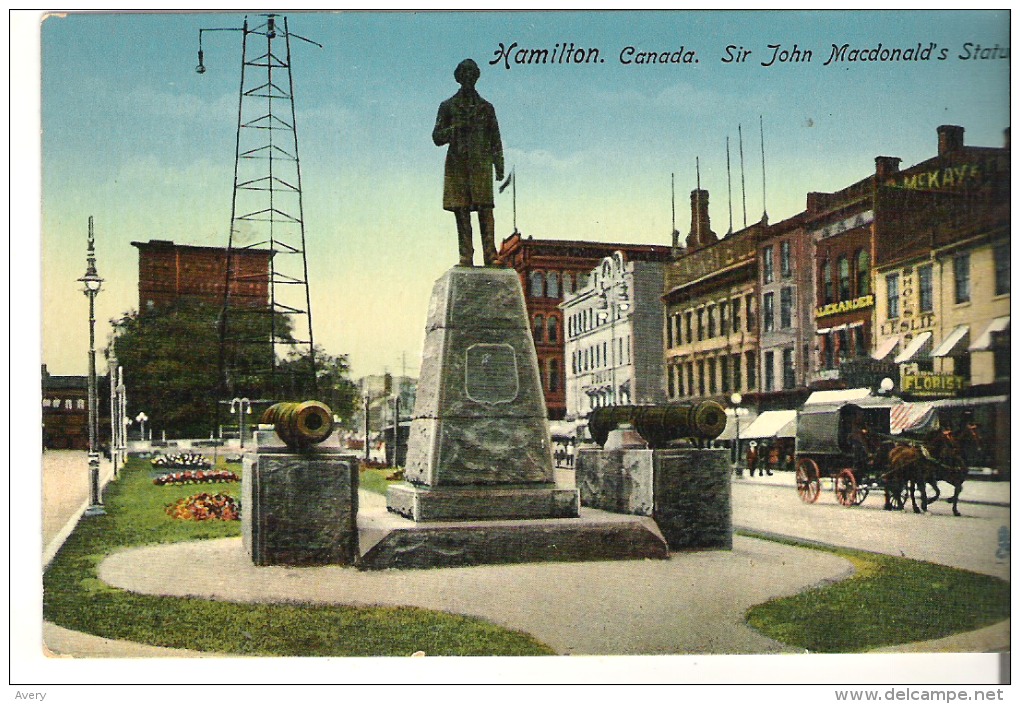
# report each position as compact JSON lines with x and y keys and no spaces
{"x":468,"y":124}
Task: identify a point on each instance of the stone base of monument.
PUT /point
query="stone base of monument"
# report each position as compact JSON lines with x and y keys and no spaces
{"x":299,"y":508}
{"x":686,"y":491}
{"x":390,"y":541}
{"x":481,"y":502}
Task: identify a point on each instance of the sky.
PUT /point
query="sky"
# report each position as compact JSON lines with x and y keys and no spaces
{"x":134,"y":137}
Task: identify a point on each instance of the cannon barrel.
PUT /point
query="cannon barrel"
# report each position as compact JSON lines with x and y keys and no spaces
{"x":660,"y":424}
{"x":300,"y":424}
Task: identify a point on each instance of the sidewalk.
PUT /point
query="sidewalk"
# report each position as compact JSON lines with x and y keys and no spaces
{"x":975,"y":491}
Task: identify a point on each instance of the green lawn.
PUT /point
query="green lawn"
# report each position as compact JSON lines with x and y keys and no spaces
{"x":889,"y":601}
{"x":75,"y":598}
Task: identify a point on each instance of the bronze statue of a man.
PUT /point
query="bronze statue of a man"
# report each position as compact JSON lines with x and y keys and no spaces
{"x":467,"y":122}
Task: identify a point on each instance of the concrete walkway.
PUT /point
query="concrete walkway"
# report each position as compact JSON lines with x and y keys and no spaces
{"x":691,"y":603}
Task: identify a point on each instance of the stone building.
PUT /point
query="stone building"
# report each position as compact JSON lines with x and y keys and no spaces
{"x":169,"y":272}
{"x":711,"y":313}
{"x":549,"y":270}
{"x":65,"y":413}
{"x":614,"y":337}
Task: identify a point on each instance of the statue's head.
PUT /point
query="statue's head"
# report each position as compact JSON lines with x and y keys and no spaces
{"x":467,"y":73}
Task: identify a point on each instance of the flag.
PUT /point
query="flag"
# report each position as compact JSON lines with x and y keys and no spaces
{"x":507,"y":182}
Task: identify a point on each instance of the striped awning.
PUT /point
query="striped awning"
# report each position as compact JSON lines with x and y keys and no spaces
{"x":908,"y":415}
{"x":914,"y":348}
{"x":954,"y":343}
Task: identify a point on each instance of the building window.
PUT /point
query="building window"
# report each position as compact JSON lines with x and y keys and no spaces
{"x":735,"y":314}
{"x":537,"y":279}
{"x":770,"y":371}
{"x":722,"y":318}
{"x":678,"y":328}
{"x":552,"y":285}
{"x":701,"y":377}
{"x":710,"y":370}
{"x":828,"y":290}
{"x":844,"y":278}
{"x":924,"y":288}
{"x":844,"y":345}
{"x":1001,"y":255}
{"x":687,"y":328}
{"x":679,"y":369}
{"x":789,"y":379}
{"x":568,"y":284}
{"x":701,"y":324}
{"x":784,"y":259}
{"x":768,"y":266}
{"x":711,"y":321}
{"x":860,"y":343}
{"x":961,"y":273}
{"x":892,"y":293}
{"x":786,"y":307}
{"x":829,"y":343}
{"x":752,"y":364}
{"x":863,"y":273}
{"x":749,"y":307}
{"x":961,"y":366}
{"x":736,"y":372}
{"x":724,"y":373}
{"x":539,"y":325}
{"x":552,"y":329}
{"x":554,"y":375}
{"x":670,"y":383}
{"x":69,"y":404}
{"x":769,"y":312}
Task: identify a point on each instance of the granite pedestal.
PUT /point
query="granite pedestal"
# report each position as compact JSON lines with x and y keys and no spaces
{"x":299,"y":508}
{"x":686,"y":491}
{"x":479,"y":446}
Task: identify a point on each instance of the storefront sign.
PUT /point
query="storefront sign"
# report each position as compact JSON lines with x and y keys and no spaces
{"x":860,"y":372}
{"x":929,"y":384}
{"x":844,"y":306}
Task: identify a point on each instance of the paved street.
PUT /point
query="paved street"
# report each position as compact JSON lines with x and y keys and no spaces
{"x":970,"y":541}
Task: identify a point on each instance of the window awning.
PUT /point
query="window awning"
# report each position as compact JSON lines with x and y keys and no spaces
{"x":914,"y":348}
{"x":954,"y":343}
{"x":885,"y":348}
{"x":908,"y":415}
{"x":772,"y":424}
{"x":730,"y":431}
{"x":837,"y":396}
{"x":985,"y":340}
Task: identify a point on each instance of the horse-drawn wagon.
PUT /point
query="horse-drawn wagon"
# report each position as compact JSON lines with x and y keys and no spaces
{"x":843,"y":442}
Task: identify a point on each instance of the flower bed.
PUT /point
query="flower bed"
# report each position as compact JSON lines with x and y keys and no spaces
{"x":182,"y":460}
{"x":196,"y":477}
{"x":206,"y":507}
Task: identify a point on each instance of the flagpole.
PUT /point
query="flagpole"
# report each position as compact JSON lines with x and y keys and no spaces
{"x":513,"y":184}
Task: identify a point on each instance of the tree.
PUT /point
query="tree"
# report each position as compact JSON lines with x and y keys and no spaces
{"x":171,"y":360}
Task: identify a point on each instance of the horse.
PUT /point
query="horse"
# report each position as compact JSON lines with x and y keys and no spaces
{"x":930,"y":461}
{"x":871,"y":452}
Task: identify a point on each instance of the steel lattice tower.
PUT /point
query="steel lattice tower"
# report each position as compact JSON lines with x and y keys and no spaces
{"x":267,"y":213}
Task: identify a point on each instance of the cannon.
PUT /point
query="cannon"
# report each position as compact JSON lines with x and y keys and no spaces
{"x":300,"y":425}
{"x":660,"y":424}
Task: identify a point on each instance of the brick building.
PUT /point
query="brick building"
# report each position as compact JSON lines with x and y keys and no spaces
{"x":65,"y":413}
{"x":711,"y":325}
{"x":548,"y":270}
{"x":169,"y":272}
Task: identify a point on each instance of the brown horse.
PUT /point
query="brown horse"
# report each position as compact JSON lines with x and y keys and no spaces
{"x":938,"y":458}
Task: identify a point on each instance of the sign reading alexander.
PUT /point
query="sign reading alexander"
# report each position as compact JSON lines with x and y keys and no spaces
{"x":928,"y":384}
{"x":845,"y":306}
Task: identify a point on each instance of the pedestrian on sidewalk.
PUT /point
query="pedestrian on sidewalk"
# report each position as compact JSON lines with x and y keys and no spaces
{"x":752,"y":456}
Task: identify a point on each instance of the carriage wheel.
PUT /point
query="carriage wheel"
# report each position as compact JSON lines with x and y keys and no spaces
{"x":846,"y":488}
{"x":898,"y":498}
{"x":809,"y":486}
{"x":862,"y":494}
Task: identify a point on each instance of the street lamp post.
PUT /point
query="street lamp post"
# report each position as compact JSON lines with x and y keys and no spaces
{"x":243,"y":407}
{"x":141,"y":418}
{"x":736,"y":399}
{"x":92,"y":283}
{"x":396,"y":428}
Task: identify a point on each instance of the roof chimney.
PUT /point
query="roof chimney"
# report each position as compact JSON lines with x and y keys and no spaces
{"x":886,"y":166}
{"x":950,"y":139}
{"x":701,"y":230}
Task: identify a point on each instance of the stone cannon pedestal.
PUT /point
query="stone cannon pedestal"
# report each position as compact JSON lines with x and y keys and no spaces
{"x":686,"y":491}
{"x":299,"y":508}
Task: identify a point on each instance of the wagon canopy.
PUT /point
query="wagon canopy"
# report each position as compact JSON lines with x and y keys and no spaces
{"x":822,"y":427}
